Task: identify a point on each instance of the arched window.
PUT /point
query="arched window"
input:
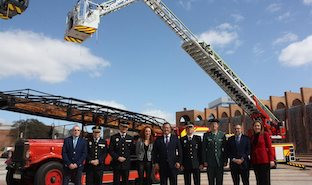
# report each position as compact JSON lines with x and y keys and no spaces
{"x":184,"y":118}
{"x":224,"y":115}
{"x":211,"y":116}
{"x":296,"y":102}
{"x":237,"y":113}
{"x":280,"y":105}
{"x":198,"y":118}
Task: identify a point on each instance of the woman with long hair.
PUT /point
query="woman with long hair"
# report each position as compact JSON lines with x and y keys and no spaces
{"x":144,"y":147}
{"x":261,"y":154}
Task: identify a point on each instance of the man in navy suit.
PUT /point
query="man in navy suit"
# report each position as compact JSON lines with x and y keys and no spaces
{"x":238,"y":150}
{"x":74,"y":152}
{"x":167,"y":156}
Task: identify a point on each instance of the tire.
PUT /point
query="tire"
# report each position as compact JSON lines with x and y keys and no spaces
{"x":50,"y":173}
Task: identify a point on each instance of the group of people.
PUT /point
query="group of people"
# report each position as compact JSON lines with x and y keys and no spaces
{"x":169,"y":155}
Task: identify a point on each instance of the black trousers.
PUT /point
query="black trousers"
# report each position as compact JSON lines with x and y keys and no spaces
{"x":262,"y":172}
{"x":215,"y":175}
{"x":236,"y":171}
{"x":124,"y":174}
{"x":187,"y":176}
{"x":94,"y":176}
{"x":73,"y":175}
{"x":166,"y":173}
{"x":145,"y":166}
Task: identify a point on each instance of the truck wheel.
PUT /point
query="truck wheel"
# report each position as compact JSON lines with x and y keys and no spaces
{"x":50,"y":173}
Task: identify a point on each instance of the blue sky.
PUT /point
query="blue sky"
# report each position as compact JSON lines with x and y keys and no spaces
{"x":136,"y":62}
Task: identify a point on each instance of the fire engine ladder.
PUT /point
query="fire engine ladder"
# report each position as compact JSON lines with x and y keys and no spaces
{"x":205,"y":57}
{"x":37,"y":103}
{"x":212,"y":64}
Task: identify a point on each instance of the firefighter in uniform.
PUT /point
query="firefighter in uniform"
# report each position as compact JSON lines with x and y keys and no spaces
{"x":214,"y":156}
{"x":121,"y":145}
{"x":95,"y":161}
{"x":191,"y":155}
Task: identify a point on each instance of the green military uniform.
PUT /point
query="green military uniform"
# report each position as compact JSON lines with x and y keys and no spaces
{"x":214,"y":156}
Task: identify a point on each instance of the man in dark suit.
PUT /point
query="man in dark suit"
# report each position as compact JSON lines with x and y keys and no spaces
{"x":167,"y":156}
{"x":97,"y":152}
{"x":214,"y":153}
{"x":192,"y":155}
{"x":238,"y":150}
{"x":121,"y":145}
{"x":74,"y":152}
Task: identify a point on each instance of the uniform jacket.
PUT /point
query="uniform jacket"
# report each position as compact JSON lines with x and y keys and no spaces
{"x":191,"y":152}
{"x":261,"y":152}
{"x":239,"y":150}
{"x":71,"y":155}
{"x":140,"y":151}
{"x":171,"y":153}
{"x":96,"y":150}
{"x":120,"y":148}
{"x":214,"y":149}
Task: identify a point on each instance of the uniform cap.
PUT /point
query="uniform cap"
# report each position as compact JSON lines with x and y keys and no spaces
{"x":96,"y":129}
{"x":124,"y":123}
{"x":189,"y":124}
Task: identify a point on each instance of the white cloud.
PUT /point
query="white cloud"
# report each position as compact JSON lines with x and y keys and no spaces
{"x":274,"y":7}
{"x":257,"y":50}
{"x":238,"y":17}
{"x":221,"y":36}
{"x":283,"y":16}
{"x":187,"y":4}
{"x":33,"y":55}
{"x":110,"y":103}
{"x":298,"y":53}
{"x":161,"y":114}
{"x":288,"y":37}
{"x":307,"y":2}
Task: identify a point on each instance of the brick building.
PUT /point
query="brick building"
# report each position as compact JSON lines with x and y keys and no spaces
{"x":8,"y":136}
{"x":295,"y":108}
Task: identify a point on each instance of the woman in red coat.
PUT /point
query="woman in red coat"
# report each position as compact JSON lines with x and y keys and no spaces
{"x":261,"y":154}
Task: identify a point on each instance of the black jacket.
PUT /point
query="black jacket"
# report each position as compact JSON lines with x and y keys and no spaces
{"x":238,"y":150}
{"x":191,"y":152}
{"x":71,"y":155}
{"x":170,"y":154}
{"x":96,"y":150}
{"x":121,"y":148}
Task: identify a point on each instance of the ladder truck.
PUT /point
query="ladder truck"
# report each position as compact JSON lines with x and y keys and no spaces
{"x":39,"y":161}
{"x":83,"y":21}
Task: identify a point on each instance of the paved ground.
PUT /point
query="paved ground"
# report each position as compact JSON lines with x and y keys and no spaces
{"x":284,"y":175}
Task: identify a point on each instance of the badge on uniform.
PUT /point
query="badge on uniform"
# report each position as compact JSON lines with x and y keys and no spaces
{"x":128,"y":141}
{"x":184,"y":141}
{"x":102,"y":145}
{"x":220,"y":139}
{"x":117,"y":139}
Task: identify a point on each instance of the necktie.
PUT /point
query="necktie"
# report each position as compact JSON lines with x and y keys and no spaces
{"x":167,"y":140}
{"x":237,"y":139}
{"x":75,"y":142}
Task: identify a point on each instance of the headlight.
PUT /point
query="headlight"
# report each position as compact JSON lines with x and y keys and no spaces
{"x":27,"y":155}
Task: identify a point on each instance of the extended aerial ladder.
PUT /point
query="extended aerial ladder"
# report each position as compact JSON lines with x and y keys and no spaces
{"x":42,"y":104}
{"x":84,"y":19}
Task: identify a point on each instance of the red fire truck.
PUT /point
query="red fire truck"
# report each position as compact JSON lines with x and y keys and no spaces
{"x":39,"y":161}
